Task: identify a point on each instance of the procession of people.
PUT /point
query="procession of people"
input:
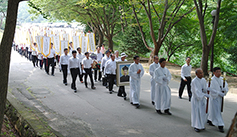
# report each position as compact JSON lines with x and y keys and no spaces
{"x":206,"y":97}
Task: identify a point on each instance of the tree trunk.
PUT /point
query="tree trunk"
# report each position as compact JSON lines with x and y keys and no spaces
{"x":151,"y":59}
{"x":5,"y":52}
{"x":101,"y":38}
{"x":205,"y":55}
{"x":110,"y":41}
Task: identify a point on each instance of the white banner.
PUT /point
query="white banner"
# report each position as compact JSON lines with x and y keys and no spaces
{"x":56,"y":43}
{"x":84,"y":41}
{"x":46,"y":46}
{"x":76,"y":42}
{"x":65,"y":36}
{"x":64,"y":44}
{"x":91,"y":42}
{"x":39,"y":43}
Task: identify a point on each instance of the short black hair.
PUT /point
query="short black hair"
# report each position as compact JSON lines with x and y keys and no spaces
{"x":188,"y":57}
{"x":86,"y":53}
{"x":74,"y":51}
{"x":34,"y":43}
{"x":51,"y":43}
{"x":135,"y":57}
{"x":155,"y":56}
{"x":65,"y":49}
{"x":97,"y":47}
{"x":161,"y":60}
{"x":78,"y":48}
{"x":216,"y":68}
{"x":70,"y":42}
{"x":125,"y":68}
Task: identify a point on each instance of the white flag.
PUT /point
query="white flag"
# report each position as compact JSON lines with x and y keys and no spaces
{"x":39,"y":43}
{"x":84,"y":41}
{"x":46,"y":46}
{"x":76,"y":42}
{"x":91,"y":41}
{"x":64,"y":44}
{"x":56,"y":42}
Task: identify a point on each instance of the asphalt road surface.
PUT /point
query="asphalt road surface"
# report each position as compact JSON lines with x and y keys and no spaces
{"x":98,"y":113}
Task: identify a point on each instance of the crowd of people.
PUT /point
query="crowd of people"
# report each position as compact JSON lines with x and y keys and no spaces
{"x":206,"y":100}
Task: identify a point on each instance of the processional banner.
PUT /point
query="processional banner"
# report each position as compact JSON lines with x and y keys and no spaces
{"x":46,"y":46}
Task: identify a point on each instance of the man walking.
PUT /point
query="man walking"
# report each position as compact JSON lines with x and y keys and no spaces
{"x":99,"y":58}
{"x":110,"y":71}
{"x":50,"y":60}
{"x":63,"y":65}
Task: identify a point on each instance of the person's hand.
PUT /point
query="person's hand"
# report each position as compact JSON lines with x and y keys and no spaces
{"x":221,"y":94}
{"x":139,"y":71}
{"x":185,"y":79}
{"x":165,"y":79}
{"x":224,"y":89}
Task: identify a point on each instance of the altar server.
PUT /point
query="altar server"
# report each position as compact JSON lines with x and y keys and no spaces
{"x":152,"y":68}
{"x":63,"y":65}
{"x":136,"y":71}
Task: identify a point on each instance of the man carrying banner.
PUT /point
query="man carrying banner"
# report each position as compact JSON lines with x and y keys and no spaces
{"x":198,"y":101}
{"x":99,"y":58}
{"x":218,"y":90}
{"x":50,"y":60}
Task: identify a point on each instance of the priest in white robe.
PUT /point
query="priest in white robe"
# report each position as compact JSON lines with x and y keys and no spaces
{"x":162,"y":78}
{"x":136,"y":71}
{"x":152,"y":68}
{"x":217,"y":91}
{"x":198,"y":101}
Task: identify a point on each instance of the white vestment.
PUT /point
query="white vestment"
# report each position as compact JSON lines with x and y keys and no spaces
{"x":135,"y":82}
{"x":215,"y":101}
{"x":198,"y":103}
{"x":152,"y":68}
{"x":162,"y":78}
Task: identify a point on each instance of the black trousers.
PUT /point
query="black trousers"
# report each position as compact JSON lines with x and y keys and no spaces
{"x":50,"y":62}
{"x":88,"y":72}
{"x":111,"y":79}
{"x":182,"y":86}
{"x":121,"y":91}
{"x":81,"y":76}
{"x":29,"y":55}
{"x":40,"y":63}
{"x":64,"y":69}
{"x":45,"y":64}
{"x":74,"y":73}
{"x":95,"y":75}
{"x":34,"y":60}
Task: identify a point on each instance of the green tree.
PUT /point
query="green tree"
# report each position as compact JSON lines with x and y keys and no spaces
{"x":3,"y":10}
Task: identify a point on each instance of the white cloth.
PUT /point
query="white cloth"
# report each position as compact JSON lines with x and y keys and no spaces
{"x":124,"y":60}
{"x":117,"y":58}
{"x":104,"y":59}
{"x":99,"y":56}
{"x":135,"y":82}
{"x":74,"y":63}
{"x":52,"y":53}
{"x":186,"y":71}
{"x":64,"y":59}
{"x":81,"y":57}
{"x":198,"y":103}
{"x":162,"y":78}
{"x":87,"y":62}
{"x":152,"y":68}
{"x":110,"y":67}
{"x":40,"y":56}
{"x":215,"y":101}
{"x":34,"y":52}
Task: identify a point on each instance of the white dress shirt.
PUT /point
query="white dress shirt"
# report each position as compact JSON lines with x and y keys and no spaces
{"x":81,"y":57}
{"x":73,"y":63}
{"x":117,"y":58}
{"x":34,"y":52}
{"x":52,"y":53}
{"x":40,"y":56}
{"x":110,"y":67}
{"x":64,"y":59}
{"x":87,"y":62}
{"x":104,"y":59}
{"x":99,"y":56}
{"x":186,"y":71}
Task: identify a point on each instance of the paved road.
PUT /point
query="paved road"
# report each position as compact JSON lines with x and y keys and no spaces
{"x":98,"y":113}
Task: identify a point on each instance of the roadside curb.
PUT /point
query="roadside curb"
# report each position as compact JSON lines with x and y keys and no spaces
{"x":25,"y":121}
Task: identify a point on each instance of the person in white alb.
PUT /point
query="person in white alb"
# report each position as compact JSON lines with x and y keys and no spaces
{"x":152,"y":68}
{"x":218,"y":89}
{"x":117,"y":58}
{"x":125,"y":77}
{"x":104,"y":59}
{"x":135,"y":71}
{"x":186,"y":78}
{"x":87,"y":64}
{"x":81,"y":56}
{"x":63,"y":65}
{"x":34,"y":56}
{"x":50,"y":60}
{"x":110,"y":71}
{"x":99,"y":58}
{"x":162,"y":78}
{"x":198,"y":101}
{"x":75,"y":68}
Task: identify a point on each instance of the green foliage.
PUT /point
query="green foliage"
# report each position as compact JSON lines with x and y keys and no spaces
{"x":131,"y":42}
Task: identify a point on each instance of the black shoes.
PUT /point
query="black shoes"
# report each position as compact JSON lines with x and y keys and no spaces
{"x":152,"y":102}
{"x":93,"y":87}
{"x":131,"y":103}
{"x":189,"y":99}
{"x":180,"y":97}
{"x":137,"y":105}
{"x":221,"y":129}
{"x":168,"y":112}
{"x":125,"y":98}
{"x":210,"y":123}
{"x":159,"y":112}
{"x":197,"y":130}
{"x":110,"y":92}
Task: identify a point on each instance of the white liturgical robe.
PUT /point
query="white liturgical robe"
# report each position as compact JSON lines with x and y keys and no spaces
{"x":198,"y":103}
{"x":215,"y":100}
{"x":152,"y":68}
{"x":162,"y":78}
{"x":135,"y":82}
